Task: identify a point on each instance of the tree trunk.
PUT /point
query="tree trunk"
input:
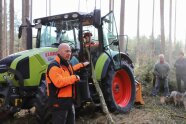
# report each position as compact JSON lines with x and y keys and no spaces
{"x":25,"y":13}
{"x":4,"y":45}
{"x":152,"y":35}
{"x":138,"y":21}
{"x":30,"y":10}
{"x":99,"y":91}
{"x":162,"y":26}
{"x":49,"y":7}
{"x":111,"y":8}
{"x":122,"y":23}
{"x":137,"y":35}
{"x":175,"y":22}
{"x":110,"y":5}
{"x":185,"y":42}
{"x":170,"y":32}
{"x":1,"y":30}
{"x":11,"y":47}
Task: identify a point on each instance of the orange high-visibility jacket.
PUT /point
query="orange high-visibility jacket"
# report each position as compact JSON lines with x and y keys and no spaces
{"x":62,"y":77}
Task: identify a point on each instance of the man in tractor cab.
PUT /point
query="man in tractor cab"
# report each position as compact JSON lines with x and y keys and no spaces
{"x":161,"y":71}
{"x":87,"y":37}
{"x":60,"y":80}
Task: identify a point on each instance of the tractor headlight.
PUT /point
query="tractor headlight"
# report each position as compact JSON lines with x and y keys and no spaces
{"x":75,"y":15}
{"x":66,"y":16}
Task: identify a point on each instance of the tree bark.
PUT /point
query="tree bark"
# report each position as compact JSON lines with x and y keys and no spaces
{"x":185,"y":42}
{"x":170,"y":32}
{"x":152,"y":35}
{"x":25,"y":13}
{"x":138,"y":22}
{"x":162,"y":26}
{"x":137,"y":35}
{"x":175,"y":22}
{"x":30,"y":9}
{"x":4,"y":44}
{"x":49,"y":7}
{"x":99,"y":91}
{"x":111,"y":8}
{"x":122,"y":23}
{"x":101,"y":97}
{"x":11,"y":47}
{"x":1,"y":29}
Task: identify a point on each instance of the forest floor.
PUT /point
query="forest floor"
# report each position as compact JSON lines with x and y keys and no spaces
{"x":153,"y":112}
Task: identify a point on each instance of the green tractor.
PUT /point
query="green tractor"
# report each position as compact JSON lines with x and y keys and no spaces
{"x":22,"y":74}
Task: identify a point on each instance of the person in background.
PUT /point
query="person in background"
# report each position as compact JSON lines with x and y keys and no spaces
{"x":161,"y":71}
{"x":180,"y":66}
{"x":60,"y":79}
{"x":87,"y":37}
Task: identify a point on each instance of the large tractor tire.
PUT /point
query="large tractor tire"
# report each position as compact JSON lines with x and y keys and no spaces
{"x":119,"y":89}
{"x":39,"y":102}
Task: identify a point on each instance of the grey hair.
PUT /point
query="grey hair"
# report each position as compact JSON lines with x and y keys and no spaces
{"x":161,"y":56}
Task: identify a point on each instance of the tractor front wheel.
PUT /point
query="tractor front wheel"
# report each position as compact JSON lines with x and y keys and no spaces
{"x":119,"y":89}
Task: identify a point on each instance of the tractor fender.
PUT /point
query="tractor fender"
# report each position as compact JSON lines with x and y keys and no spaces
{"x":104,"y":61}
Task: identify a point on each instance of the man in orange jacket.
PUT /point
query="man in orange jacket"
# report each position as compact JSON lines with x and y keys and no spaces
{"x":60,"y":80}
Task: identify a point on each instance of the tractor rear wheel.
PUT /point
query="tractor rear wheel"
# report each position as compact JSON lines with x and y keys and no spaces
{"x":119,"y":89}
{"x":39,"y":102}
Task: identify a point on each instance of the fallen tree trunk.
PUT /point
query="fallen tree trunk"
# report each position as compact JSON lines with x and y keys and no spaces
{"x":99,"y":91}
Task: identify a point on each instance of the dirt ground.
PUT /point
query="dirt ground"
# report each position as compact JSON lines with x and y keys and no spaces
{"x":153,"y":112}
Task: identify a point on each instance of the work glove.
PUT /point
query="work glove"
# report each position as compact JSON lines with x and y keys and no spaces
{"x":86,"y":63}
{"x":77,"y":76}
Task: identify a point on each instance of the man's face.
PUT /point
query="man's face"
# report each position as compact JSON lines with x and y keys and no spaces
{"x":88,"y":39}
{"x":65,"y":53}
{"x":161,"y":59}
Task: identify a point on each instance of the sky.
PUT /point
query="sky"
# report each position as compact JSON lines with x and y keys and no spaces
{"x":64,"y":6}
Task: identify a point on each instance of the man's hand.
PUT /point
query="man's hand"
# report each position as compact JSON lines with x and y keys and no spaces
{"x":77,"y":76}
{"x":86,"y":63}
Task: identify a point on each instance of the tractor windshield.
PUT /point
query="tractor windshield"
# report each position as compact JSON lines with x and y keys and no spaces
{"x":110,"y":32}
{"x":55,"y":33}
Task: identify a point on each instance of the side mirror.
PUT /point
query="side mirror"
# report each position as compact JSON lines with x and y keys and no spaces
{"x":97,"y":18}
{"x":28,"y":28}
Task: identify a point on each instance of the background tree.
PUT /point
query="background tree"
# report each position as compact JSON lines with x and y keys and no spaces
{"x":25,"y":14}
{"x":11,"y":47}
{"x":170,"y":31}
{"x":1,"y":30}
{"x":4,"y":43}
{"x":175,"y":22}
{"x":185,"y":42}
{"x":138,"y":21}
{"x":162,"y":26}
{"x":138,"y":35}
{"x":152,"y":35}
{"x":30,"y":9}
{"x":122,"y":27}
{"x":111,"y":8}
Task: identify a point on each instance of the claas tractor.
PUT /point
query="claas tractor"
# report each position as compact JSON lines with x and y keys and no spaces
{"x":22,"y":74}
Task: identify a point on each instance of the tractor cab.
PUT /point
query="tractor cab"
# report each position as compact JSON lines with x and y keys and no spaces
{"x":72,"y":27}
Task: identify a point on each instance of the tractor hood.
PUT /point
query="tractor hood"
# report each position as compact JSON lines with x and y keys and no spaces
{"x":26,"y":65}
{"x":45,"y":54}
